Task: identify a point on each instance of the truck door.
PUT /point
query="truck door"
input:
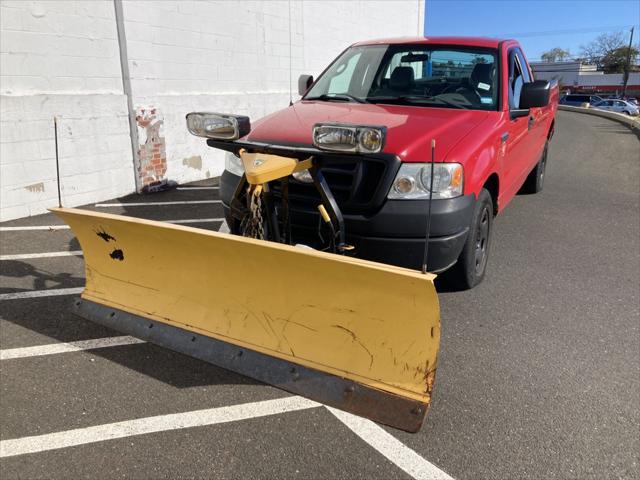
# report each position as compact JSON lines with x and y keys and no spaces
{"x":521,"y":145}
{"x":539,"y":118}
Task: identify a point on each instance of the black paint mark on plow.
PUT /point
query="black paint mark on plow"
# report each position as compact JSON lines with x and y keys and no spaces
{"x":117,"y":254}
{"x":105,"y":236}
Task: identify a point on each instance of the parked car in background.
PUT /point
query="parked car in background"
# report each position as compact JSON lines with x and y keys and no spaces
{"x":619,"y":106}
{"x":580,"y":100}
{"x":633,"y":100}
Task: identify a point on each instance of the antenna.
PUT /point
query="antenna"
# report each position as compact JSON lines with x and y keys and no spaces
{"x":426,"y":235}
{"x":55,"y":136}
{"x":290,"y":64}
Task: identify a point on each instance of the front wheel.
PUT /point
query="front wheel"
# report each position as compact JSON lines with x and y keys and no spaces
{"x":470,"y":268}
{"x":535,"y":180}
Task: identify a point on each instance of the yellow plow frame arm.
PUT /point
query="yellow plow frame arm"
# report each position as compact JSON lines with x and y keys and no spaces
{"x":357,"y":335}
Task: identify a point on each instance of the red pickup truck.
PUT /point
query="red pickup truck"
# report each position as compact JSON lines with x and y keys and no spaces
{"x":369,"y":120}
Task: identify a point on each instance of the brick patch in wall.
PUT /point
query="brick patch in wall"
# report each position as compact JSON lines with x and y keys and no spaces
{"x":152,"y":153}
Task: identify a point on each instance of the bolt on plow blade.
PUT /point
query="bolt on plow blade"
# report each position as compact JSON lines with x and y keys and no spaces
{"x":357,"y":335}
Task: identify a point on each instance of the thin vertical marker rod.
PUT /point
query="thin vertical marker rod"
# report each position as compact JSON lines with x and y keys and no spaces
{"x":426,"y":236}
{"x":55,"y":136}
{"x":290,"y":60}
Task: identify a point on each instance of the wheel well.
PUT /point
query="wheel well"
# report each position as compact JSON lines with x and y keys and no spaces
{"x":493,"y":187}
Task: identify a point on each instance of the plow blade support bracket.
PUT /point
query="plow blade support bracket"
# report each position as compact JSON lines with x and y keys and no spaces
{"x":357,"y":335}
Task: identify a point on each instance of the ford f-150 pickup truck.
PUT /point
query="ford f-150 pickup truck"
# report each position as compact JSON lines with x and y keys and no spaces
{"x":370,"y":120}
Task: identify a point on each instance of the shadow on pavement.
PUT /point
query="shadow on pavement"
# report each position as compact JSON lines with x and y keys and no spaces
{"x":42,"y":279}
{"x":614,"y":128}
{"x":52,"y":317}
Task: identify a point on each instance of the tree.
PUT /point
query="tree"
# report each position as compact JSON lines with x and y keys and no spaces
{"x":596,"y":51}
{"x":615,"y":61}
{"x":555,"y":55}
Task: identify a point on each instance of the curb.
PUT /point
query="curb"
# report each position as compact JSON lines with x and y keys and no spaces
{"x":633,"y":123}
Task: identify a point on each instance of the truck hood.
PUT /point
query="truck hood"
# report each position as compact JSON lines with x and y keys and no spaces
{"x":409,"y":128}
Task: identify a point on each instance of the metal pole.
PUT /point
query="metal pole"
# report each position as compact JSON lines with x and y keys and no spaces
{"x":55,"y":136}
{"x":126,"y":87}
{"x":627,"y":66}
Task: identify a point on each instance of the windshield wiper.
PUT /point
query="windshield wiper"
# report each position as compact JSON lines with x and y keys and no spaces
{"x":343,"y":97}
{"x":438,"y":99}
{"x":416,"y":99}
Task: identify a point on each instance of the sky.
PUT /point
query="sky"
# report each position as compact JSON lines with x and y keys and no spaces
{"x":539,"y":25}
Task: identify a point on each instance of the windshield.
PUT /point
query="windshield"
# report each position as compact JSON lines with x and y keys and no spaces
{"x":422,"y":75}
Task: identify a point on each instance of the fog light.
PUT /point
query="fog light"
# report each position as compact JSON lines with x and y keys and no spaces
{"x":233,"y":164}
{"x":371,"y":140}
{"x":303,"y":176}
{"x":404,"y":185}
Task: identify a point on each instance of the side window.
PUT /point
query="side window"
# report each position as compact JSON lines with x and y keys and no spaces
{"x":340,"y":82}
{"x":523,"y":65}
{"x":516,"y":80}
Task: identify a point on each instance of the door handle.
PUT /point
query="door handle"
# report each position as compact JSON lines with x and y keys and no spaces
{"x":531,"y":122}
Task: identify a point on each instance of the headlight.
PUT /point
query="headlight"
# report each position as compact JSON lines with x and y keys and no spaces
{"x":349,"y":138}
{"x":413,"y":181}
{"x":218,"y":125}
{"x":233,"y":164}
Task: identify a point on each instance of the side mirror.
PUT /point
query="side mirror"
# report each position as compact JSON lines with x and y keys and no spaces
{"x":304,"y":82}
{"x":535,"y":94}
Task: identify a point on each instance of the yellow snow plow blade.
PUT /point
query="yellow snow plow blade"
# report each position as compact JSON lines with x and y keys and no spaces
{"x":357,"y":335}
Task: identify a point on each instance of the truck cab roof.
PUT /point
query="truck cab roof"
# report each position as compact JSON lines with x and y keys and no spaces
{"x":461,"y":41}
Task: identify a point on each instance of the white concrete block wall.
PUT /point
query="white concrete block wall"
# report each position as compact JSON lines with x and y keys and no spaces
{"x":94,"y":149}
{"x":236,"y":57}
{"x":61,"y":58}
{"x":332,"y":25}
{"x":230,"y":57}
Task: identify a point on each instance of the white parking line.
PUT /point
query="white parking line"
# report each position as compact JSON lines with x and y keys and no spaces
{"x":391,"y":447}
{"x":52,"y":292}
{"x":25,"y":256}
{"x":160,"y":423}
{"x":146,"y":204}
{"x":385,"y":443}
{"x":224,"y":228}
{"x":196,"y":220}
{"x":53,"y":348}
{"x":66,"y":227}
{"x":197,"y":188}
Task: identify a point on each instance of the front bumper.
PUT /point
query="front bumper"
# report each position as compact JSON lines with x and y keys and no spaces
{"x":394,"y":235}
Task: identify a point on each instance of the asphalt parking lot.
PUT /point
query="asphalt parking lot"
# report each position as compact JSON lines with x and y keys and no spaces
{"x":539,"y":373}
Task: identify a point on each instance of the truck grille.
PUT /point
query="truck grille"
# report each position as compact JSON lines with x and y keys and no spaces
{"x":359,"y":184}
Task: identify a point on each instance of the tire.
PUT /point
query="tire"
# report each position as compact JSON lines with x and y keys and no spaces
{"x":471,"y":266}
{"x":627,"y":113}
{"x":535,"y":180}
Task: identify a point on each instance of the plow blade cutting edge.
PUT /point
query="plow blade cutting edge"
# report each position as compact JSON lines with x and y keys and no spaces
{"x":357,"y":335}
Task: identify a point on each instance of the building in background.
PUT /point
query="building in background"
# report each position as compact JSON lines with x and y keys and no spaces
{"x":121,"y":83}
{"x":576,"y":77}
